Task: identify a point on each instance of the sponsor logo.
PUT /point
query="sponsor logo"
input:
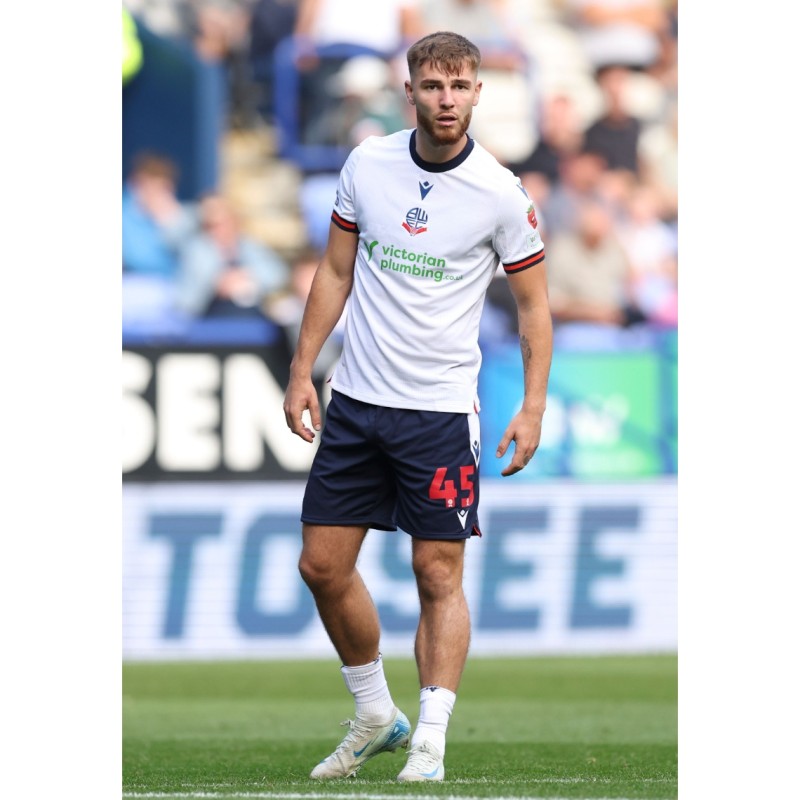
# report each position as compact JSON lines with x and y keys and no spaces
{"x":336,"y":201}
{"x":417,"y":265}
{"x":424,"y":188}
{"x":534,"y":223}
{"x":392,"y":258}
{"x":415,"y":222}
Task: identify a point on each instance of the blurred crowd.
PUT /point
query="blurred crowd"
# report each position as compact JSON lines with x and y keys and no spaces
{"x":579,"y":101}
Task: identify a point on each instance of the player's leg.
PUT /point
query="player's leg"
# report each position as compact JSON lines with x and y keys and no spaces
{"x":441,"y":650}
{"x":444,"y":627}
{"x":350,"y":489}
{"x":437,"y":504}
{"x":328,"y":566}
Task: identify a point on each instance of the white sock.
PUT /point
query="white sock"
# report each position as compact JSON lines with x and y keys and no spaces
{"x":368,"y":686}
{"x":435,"y":707}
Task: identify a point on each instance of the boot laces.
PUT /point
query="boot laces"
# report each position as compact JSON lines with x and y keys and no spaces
{"x":423,"y":758}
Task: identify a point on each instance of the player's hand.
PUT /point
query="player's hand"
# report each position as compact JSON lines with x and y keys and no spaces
{"x":301,"y":395}
{"x":525,"y":430}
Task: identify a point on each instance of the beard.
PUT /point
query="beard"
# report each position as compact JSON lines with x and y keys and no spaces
{"x":444,"y":136}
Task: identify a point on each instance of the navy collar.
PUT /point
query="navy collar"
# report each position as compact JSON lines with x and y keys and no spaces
{"x":445,"y":166}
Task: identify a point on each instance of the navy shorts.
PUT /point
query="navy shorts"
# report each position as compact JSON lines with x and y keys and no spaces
{"x":393,"y":467}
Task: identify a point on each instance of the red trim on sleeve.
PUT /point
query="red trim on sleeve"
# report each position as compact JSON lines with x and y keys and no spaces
{"x":525,"y":263}
{"x":344,"y":224}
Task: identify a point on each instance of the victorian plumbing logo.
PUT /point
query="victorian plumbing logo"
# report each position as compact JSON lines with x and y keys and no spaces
{"x":417,"y":265}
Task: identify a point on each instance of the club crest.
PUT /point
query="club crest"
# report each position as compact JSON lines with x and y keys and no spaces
{"x":416,"y":220}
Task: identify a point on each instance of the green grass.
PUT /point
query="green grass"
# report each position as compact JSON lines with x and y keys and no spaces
{"x":591,"y":727}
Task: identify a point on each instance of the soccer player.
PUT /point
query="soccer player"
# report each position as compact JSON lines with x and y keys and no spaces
{"x":421,"y":220}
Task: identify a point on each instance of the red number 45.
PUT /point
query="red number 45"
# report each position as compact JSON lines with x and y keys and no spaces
{"x":443,"y":489}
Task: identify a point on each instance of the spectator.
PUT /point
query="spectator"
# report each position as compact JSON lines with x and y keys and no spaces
{"x":271,"y":21}
{"x":286,"y":309}
{"x":221,"y":28}
{"x":221,"y":34}
{"x":665,"y":69}
{"x":651,"y":249}
{"x":223,"y":271}
{"x":579,"y":178}
{"x":658,"y":157}
{"x":560,"y":137}
{"x":486,"y":22}
{"x":171,"y":19}
{"x":615,"y":135}
{"x":621,"y":32}
{"x":154,"y":222}
{"x":212,"y":26}
{"x":366,"y":105}
{"x":382,"y":29}
{"x":589,"y":274}
{"x":218,"y":31}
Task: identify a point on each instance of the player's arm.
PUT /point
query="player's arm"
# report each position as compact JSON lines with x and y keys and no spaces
{"x":326,"y":300}
{"x":529,"y":288}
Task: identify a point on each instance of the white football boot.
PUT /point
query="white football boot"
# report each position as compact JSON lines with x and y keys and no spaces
{"x":425,"y":763}
{"x":365,"y":739}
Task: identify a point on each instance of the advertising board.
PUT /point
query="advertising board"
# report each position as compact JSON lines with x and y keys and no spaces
{"x":210,"y":571}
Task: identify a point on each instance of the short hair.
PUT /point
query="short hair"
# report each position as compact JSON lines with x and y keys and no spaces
{"x":152,"y":164}
{"x":445,"y":50}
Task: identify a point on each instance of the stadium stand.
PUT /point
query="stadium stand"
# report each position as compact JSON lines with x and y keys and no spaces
{"x":278,"y":172}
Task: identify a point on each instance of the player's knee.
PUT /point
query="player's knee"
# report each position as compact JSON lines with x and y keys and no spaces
{"x":436,"y":580}
{"x":317,"y":573}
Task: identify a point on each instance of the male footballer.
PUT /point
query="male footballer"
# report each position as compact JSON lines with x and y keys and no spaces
{"x":421,"y":220}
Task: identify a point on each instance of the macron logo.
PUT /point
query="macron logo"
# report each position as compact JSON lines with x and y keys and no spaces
{"x":424,"y":188}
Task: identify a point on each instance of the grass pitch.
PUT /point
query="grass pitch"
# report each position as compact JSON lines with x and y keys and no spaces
{"x":589,"y":727}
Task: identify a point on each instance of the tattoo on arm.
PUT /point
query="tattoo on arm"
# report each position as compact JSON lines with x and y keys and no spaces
{"x":525,"y":346}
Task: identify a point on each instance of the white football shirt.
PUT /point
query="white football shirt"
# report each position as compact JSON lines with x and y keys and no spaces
{"x":430,"y":240}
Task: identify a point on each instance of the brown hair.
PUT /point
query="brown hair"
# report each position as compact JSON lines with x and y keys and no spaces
{"x":154,"y":165}
{"x":444,"y":50}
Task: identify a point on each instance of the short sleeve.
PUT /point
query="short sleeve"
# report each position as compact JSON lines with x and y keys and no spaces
{"x":516,"y":239}
{"x":344,"y":206}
